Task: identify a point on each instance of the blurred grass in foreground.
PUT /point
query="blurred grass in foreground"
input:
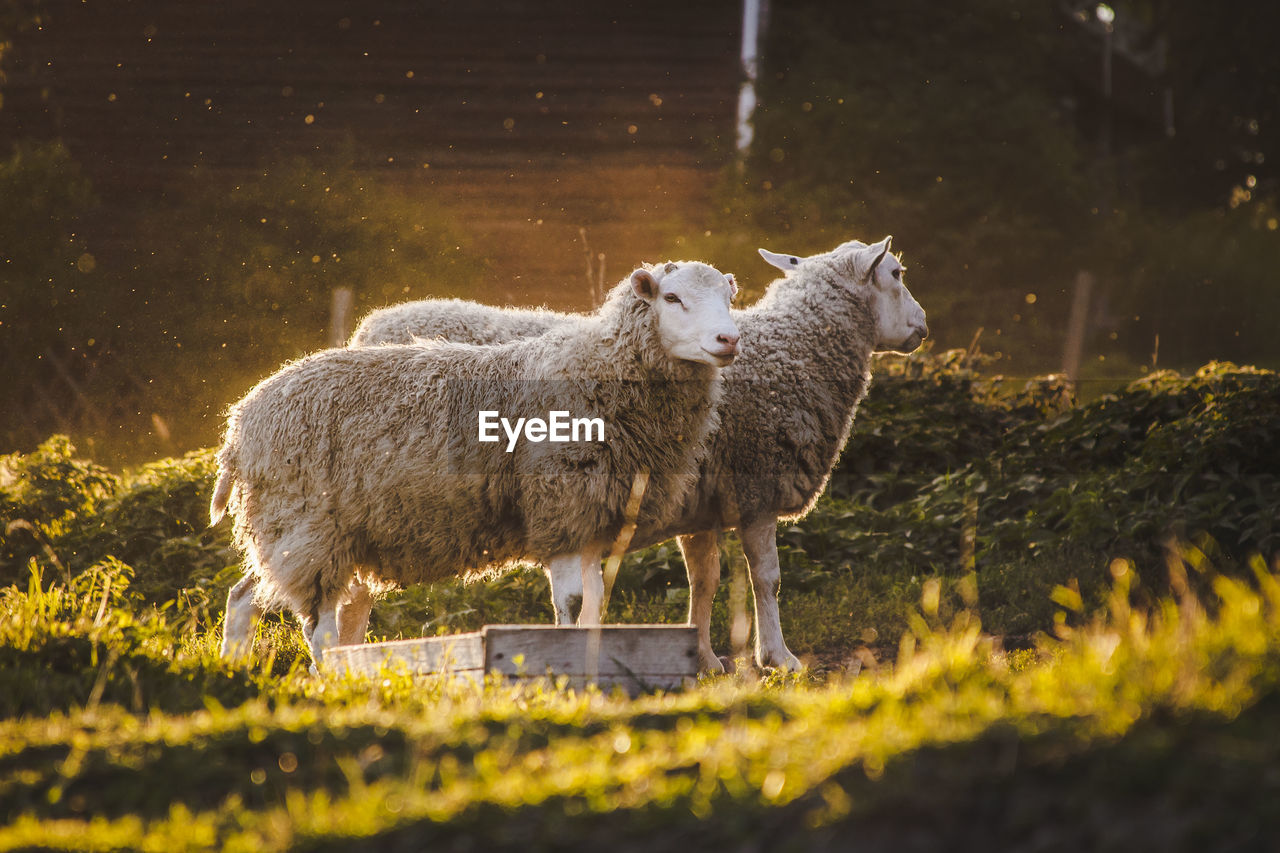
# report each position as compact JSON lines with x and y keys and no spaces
{"x":1096,"y":734}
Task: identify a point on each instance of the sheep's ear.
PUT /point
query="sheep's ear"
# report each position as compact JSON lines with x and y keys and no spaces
{"x":644,"y":284}
{"x":733,"y":285}
{"x":786,"y":263}
{"x":877,"y":252}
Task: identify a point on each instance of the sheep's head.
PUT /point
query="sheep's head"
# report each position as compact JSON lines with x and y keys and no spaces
{"x":691,"y":304}
{"x":900,"y":321}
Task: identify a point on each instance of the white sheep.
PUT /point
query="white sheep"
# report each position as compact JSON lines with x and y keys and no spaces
{"x":365,"y":467}
{"x":793,"y":394}
{"x":453,"y":320}
{"x":788,"y":409}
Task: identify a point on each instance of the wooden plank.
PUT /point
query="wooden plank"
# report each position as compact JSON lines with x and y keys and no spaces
{"x":457,"y":653}
{"x":635,"y":657}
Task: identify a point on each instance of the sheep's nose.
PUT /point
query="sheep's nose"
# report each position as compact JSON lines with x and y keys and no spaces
{"x":923,"y":329}
{"x":729,"y":340}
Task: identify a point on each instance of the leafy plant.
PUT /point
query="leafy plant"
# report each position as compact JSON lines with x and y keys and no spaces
{"x":951,"y":471}
{"x":42,"y":494}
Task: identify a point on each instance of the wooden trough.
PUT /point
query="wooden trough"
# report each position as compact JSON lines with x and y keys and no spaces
{"x":637,"y":658}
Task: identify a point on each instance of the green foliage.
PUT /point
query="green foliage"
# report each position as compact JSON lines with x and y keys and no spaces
{"x":519,"y":596}
{"x":74,"y":514}
{"x":94,"y":641}
{"x":950,"y":470}
{"x":158,"y":523}
{"x":1088,"y":739}
{"x":280,"y":241}
{"x":42,"y":494}
{"x":217,"y":289}
{"x":970,"y":132}
{"x":1024,"y":473}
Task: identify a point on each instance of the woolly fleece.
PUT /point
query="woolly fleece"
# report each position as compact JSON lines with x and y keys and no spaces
{"x":356,"y":463}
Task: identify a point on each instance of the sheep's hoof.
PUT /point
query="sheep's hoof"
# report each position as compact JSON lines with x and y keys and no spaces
{"x":786,"y":663}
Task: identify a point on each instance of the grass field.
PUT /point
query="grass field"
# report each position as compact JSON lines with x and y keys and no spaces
{"x":1032,"y":624}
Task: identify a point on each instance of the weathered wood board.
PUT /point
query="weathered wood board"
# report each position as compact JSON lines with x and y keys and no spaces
{"x":462,"y":654}
{"x":637,"y":658}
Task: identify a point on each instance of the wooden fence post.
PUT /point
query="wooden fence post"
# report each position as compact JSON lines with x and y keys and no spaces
{"x":1073,"y":349}
{"x":340,"y":316}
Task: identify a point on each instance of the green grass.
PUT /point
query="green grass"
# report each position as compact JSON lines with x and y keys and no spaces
{"x":1107,"y":719}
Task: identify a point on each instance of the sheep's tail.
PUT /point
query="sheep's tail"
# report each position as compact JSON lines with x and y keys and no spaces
{"x":221,"y":494}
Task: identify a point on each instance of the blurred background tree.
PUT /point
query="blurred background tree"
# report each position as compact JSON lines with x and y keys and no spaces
{"x":981,"y":135}
{"x":212,"y":291}
{"x":180,"y":203}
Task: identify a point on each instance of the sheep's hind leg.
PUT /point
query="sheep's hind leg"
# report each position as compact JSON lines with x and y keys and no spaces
{"x":564,"y":572}
{"x":702,"y":561}
{"x":353,"y":614}
{"x":321,"y":631}
{"x":241,"y":619}
{"x":760,"y":544}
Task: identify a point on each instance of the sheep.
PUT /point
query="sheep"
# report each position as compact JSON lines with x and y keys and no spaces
{"x":787,"y":413}
{"x":363,"y":467}
{"x":453,"y":320}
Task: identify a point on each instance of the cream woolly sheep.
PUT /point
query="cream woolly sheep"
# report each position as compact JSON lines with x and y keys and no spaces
{"x":423,"y":321}
{"x":789,"y":404}
{"x":788,"y":410}
{"x":452,"y":320}
{"x":363,"y":466}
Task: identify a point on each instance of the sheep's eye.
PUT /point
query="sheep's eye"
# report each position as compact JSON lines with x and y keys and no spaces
{"x":672,"y":298}
{"x":897,"y":274}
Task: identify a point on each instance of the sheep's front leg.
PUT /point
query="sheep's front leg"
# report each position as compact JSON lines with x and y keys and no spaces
{"x":353,"y":614}
{"x":241,"y":619}
{"x":702,"y":561}
{"x":564,"y":572}
{"x":760,"y":544}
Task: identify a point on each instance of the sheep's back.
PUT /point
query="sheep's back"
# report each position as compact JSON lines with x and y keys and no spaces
{"x":452,"y":320}
{"x":375,"y":439}
{"x":383,"y":441}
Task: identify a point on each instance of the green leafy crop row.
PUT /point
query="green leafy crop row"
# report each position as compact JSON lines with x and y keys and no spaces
{"x":950,"y":470}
